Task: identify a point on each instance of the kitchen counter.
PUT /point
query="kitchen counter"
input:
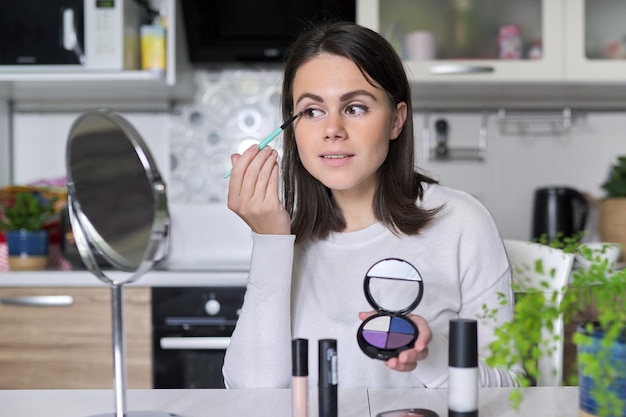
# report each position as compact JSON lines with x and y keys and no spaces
{"x":493,"y":402}
{"x":219,"y":276}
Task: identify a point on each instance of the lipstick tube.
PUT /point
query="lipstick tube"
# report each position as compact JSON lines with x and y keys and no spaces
{"x":300,"y":373}
{"x":328,"y":378}
{"x":463,"y":368}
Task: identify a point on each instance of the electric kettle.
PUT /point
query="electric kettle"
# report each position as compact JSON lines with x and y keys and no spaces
{"x":558,"y":212}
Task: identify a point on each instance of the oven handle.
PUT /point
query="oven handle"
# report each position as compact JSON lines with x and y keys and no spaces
{"x":206,"y":343}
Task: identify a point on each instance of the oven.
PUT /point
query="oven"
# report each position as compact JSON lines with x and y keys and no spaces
{"x":191,"y":329}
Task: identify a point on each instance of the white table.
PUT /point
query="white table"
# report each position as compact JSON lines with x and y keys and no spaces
{"x":492,"y":402}
{"x":538,"y":402}
{"x":183,"y":403}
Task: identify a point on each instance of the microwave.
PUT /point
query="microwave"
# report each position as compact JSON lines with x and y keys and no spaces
{"x":67,"y":34}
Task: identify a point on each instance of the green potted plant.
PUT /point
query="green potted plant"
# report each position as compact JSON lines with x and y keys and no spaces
{"x":595,"y":300}
{"x":612,"y":208}
{"x":22,"y":219}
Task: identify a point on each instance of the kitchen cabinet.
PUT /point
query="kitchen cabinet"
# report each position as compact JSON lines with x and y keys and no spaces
{"x":561,"y":63}
{"x":466,"y":37}
{"x":49,"y":85}
{"x":66,"y":342}
{"x":561,"y":40}
{"x":595,"y":37}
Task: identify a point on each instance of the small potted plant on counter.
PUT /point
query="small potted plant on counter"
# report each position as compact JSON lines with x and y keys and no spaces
{"x":612,"y":208}
{"x":595,"y":299}
{"x":22,"y":218}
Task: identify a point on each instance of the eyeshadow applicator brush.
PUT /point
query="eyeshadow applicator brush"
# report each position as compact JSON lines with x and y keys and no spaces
{"x":272,"y":135}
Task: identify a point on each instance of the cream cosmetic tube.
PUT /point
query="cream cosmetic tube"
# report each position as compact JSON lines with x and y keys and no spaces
{"x":300,"y":367}
{"x":463,"y":368}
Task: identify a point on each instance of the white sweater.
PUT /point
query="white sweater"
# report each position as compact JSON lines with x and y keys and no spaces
{"x":315,"y":291}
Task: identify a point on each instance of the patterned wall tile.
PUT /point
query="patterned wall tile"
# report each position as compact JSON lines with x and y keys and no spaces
{"x":232,"y":110}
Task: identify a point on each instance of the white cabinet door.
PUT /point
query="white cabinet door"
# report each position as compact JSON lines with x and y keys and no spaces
{"x":596,"y":40}
{"x":467,"y":37}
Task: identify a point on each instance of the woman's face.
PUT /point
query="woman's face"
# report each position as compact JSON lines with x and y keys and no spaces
{"x":343,"y":136}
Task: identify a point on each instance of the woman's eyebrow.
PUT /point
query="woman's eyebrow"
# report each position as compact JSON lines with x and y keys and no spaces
{"x":312,"y":96}
{"x":352,"y":94}
{"x":345,"y":97}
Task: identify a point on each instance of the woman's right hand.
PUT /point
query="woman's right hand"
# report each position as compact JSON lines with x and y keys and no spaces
{"x":253,"y":191}
{"x":408,"y":359}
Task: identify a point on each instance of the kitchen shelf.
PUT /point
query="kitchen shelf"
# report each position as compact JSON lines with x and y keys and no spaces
{"x":87,"y":89}
{"x":596,"y":96}
{"x":78,"y":76}
{"x":66,"y":93}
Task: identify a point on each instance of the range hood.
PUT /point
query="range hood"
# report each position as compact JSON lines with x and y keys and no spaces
{"x":252,"y":30}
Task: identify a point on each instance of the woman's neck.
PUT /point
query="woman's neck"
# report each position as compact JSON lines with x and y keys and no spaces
{"x":357,"y":209}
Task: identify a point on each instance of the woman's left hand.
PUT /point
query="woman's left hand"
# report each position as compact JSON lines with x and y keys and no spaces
{"x":407,"y":359}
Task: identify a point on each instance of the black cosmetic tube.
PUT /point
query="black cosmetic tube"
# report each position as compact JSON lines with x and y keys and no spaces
{"x":328,"y":378}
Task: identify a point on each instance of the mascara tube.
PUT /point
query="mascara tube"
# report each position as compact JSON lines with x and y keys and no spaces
{"x":463,"y":368}
{"x":300,"y":373}
{"x":328,"y":378}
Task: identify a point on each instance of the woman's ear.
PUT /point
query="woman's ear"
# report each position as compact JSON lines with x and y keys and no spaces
{"x":398,"y":120}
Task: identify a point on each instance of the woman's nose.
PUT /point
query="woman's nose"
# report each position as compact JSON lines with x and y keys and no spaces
{"x":335,"y":128}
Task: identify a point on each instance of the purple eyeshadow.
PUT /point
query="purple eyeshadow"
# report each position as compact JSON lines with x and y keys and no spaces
{"x":388,"y":332}
{"x":378,"y":339}
{"x":397,"y":340}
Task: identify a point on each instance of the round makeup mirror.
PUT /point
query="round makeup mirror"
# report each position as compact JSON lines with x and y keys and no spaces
{"x":117,"y":201}
{"x":118,"y":209}
{"x":393,"y":285}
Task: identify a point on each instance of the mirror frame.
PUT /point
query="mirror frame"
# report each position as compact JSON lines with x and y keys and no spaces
{"x":85,"y":233}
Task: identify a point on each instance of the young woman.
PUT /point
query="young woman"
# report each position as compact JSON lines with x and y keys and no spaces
{"x":351,"y":197}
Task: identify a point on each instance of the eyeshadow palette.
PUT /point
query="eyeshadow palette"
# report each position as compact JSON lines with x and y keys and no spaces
{"x":388,"y":333}
{"x":393,"y":287}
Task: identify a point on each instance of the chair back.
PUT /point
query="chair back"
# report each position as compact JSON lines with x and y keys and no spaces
{"x":556,"y":270}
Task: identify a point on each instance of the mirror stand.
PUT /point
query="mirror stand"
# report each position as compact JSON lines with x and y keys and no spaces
{"x":119,"y":360}
{"x":117,"y":321}
{"x":106,"y":157}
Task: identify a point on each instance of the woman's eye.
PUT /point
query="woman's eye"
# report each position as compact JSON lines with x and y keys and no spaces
{"x":312,"y":113}
{"x":356,"y":110}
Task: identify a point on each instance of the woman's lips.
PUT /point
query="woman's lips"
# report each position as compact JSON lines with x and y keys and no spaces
{"x":336,"y":159}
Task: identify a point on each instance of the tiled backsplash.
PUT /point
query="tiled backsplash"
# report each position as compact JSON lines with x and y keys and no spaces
{"x":238,"y":106}
{"x":232,"y":110}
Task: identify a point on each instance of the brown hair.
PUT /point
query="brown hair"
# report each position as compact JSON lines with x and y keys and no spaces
{"x":313,"y":211}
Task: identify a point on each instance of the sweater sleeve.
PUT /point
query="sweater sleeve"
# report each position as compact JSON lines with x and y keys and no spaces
{"x":265,"y":316}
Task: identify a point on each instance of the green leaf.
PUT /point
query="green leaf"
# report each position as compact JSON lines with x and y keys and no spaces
{"x":28,"y":211}
{"x":615,"y":185}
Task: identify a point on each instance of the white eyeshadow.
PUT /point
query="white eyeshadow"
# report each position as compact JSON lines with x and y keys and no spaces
{"x":380,"y":324}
